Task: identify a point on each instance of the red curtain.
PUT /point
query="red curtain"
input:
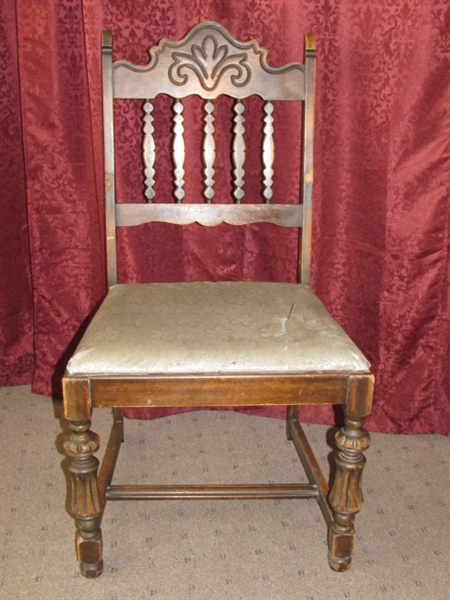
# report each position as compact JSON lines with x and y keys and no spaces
{"x":382,"y":208}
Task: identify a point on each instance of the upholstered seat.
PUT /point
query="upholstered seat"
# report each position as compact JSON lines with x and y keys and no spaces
{"x":209,"y":328}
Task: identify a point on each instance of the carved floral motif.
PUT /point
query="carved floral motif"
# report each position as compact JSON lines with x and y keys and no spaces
{"x":209,"y":62}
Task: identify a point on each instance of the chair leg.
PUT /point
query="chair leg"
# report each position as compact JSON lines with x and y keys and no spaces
{"x":346,"y":498}
{"x":86,"y":505}
{"x":292,"y":415}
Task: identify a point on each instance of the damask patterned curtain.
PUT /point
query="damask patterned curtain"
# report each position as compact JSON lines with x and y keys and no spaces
{"x":382,"y":208}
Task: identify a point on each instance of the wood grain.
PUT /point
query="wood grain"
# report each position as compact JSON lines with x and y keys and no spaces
{"x":284,"y":215}
{"x":205,"y":391}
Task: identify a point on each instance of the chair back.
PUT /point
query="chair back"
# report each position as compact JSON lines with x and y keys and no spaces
{"x":208,"y":62}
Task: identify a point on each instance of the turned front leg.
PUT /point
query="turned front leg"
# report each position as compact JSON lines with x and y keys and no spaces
{"x":346,"y":497}
{"x":85,"y":503}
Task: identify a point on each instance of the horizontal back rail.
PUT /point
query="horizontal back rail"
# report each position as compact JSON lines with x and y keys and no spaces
{"x":284,"y":215}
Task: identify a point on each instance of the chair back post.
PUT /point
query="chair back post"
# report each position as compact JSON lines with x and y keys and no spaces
{"x":307,"y":160}
{"x":108,"y":145}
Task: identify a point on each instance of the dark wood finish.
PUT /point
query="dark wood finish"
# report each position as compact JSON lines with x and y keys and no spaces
{"x":209,"y":215}
{"x":79,"y":407}
{"x":346,"y":498}
{"x":310,"y":465}
{"x":109,"y":154}
{"x":360,"y":387}
{"x":86,"y":504}
{"x":209,"y":62}
{"x":208,"y":492}
{"x":116,"y":438}
{"x":307,"y":160}
{"x":242,"y":71}
{"x":218,"y":391}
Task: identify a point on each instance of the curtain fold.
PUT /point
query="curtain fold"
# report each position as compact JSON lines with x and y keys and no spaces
{"x":16,"y":296}
{"x":381,"y":197}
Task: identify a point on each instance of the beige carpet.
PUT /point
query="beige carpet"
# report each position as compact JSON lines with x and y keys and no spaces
{"x":208,"y":550}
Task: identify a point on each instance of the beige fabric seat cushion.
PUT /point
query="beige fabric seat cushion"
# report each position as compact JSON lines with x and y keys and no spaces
{"x":214,"y":328}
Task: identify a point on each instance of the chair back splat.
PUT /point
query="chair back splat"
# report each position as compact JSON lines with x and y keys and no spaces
{"x":206,"y":344}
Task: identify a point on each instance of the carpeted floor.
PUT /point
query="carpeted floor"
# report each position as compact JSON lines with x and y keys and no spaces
{"x":206,"y":550}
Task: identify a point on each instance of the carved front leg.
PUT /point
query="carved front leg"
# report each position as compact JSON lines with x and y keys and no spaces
{"x":85,"y":503}
{"x":346,"y":498}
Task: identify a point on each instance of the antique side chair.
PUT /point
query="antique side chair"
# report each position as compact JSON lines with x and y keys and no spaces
{"x":213,"y":344}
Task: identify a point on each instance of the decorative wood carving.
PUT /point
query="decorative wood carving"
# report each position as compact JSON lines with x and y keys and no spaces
{"x":268,"y":152}
{"x":346,"y":494}
{"x":149,"y":151}
{"x":209,"y":150}
{"x":346,"y":497}
{"x":86,"y":504}
{"x":238,"y":151}
{"x":80,"y":446}
{"x":209,"y":62}
{"x":179,"y":152}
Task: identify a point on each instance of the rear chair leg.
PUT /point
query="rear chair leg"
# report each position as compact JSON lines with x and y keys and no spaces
{"x":346,"y":498}
{"x":86,"y":505}
{"x":292,"y":415}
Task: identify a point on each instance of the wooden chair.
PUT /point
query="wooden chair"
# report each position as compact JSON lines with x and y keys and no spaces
{"x":205,"y":344}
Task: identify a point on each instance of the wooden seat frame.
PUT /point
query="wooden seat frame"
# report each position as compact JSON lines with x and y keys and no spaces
{"x":90,"y":490}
